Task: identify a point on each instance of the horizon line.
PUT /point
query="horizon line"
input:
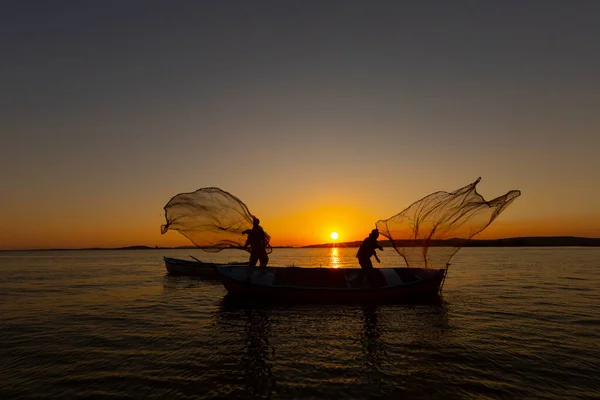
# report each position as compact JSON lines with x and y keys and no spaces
{"x":349,"y":244}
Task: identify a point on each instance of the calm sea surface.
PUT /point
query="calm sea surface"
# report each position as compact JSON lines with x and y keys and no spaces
{"x":512,"y":323}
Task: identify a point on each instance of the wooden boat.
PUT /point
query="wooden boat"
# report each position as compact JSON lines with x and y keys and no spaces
{"x":196,"y":268}
{"x":331,"y":284}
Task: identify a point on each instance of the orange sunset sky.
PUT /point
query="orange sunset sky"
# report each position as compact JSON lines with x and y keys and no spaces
{"x":320,"y":116}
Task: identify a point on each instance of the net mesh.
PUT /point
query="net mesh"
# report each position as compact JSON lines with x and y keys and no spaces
{"x":210,"y":218}
{"x":430,"y":231}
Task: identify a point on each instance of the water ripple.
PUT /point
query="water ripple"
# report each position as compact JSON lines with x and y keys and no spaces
{"x":513,"y":323}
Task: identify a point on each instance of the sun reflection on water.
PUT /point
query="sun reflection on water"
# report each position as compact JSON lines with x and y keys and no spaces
{"x":335,"y":258}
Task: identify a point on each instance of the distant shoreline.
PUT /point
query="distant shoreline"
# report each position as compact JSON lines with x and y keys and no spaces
{"x":528,"y":241}
{"x":533,"y":241}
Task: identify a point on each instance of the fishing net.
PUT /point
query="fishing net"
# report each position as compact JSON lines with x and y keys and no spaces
{"x":211,"y":218}
{"x":430,"y":231}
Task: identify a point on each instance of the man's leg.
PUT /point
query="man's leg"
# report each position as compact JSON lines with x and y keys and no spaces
{"x":253,"y":260}
{"x":366,"y":265}
{"x":251,"y":265}
{"x":264,"y":260}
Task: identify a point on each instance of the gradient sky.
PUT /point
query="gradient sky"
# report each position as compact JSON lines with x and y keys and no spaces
{"x":320,"y":115}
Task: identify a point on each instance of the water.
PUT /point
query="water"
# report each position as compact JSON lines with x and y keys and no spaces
{"x":512,"y":323}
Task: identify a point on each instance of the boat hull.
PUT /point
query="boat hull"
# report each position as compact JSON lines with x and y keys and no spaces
{"x":207,"y":270}
{"x":424,"y":283}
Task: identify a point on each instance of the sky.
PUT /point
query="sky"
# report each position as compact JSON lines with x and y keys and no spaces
{"x":320,"y":116}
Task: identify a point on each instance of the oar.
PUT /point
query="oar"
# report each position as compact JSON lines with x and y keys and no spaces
{"x":195,"y":258}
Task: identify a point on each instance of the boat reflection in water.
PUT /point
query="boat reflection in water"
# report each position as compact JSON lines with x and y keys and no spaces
{"x":373,"y":347}
{"x":245,"y":333}
{"x":300,"y":350}
{"x":258,"y":376}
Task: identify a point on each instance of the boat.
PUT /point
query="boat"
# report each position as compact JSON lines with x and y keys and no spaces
{"x":332,"y":284}
{"x":199,"y":268}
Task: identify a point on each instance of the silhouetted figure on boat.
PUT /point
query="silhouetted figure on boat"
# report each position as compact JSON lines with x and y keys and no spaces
{"x":367,"y":249}
{"x":257,"y":241}
{"x":365,"y":252}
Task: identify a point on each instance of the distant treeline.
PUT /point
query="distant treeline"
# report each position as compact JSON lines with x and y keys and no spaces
{"x":541,"y":241}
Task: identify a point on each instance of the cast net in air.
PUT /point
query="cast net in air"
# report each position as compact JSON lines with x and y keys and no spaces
{"x":429,"y":232}
{"x":210,"y":218}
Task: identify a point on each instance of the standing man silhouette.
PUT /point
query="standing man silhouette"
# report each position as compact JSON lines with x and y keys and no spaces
{"x":365,"y":251}
{"x":257,"y":241}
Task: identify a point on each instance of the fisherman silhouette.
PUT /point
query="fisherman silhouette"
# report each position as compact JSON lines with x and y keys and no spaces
{"x":257,"y":242}
{"x":365,"y":251}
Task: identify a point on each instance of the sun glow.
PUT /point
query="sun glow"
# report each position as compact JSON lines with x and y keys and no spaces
{"x":334,"y":235}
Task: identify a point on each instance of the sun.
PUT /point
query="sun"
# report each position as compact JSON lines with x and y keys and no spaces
{"x":334,"y":235}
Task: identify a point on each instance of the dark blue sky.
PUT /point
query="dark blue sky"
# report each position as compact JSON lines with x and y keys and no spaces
{"x":105,"y":104}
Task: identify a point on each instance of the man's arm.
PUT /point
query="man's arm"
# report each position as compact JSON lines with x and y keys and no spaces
{"x":378,"y":246}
